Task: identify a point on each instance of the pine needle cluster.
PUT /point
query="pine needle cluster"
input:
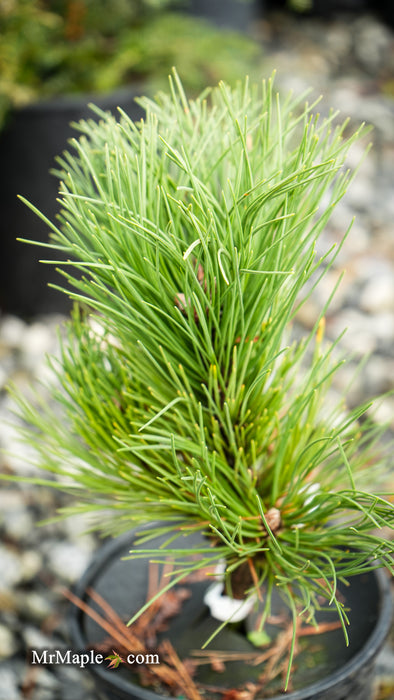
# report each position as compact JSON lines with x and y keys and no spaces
{"x":191,"y":239}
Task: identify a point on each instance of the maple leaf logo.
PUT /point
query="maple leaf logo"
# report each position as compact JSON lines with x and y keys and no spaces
{"x":115,"y":659}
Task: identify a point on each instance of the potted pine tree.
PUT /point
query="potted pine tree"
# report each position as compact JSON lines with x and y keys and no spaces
{"x":188,"y":416}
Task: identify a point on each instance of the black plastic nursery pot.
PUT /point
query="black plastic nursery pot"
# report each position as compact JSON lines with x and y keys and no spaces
{"x":324,"y":669}
{"x":29,"y":143}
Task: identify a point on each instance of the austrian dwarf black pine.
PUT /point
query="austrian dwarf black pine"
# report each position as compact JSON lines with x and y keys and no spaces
{"x":191,"y":241}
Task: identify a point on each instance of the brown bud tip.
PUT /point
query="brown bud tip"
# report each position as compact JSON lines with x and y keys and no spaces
{"x":273,"y":519}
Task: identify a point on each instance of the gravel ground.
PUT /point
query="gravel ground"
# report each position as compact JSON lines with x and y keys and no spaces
{"x":351,"y":61}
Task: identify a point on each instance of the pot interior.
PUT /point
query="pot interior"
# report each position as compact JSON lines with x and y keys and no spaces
{"x":123,"y":584}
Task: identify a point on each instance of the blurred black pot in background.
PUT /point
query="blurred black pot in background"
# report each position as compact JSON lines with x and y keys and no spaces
{"x":29,"y":144}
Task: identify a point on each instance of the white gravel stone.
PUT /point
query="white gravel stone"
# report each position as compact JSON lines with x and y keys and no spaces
{"x":17,"y":455}
{"x":68,"y":561}
{"x":359,"y":196}
{"x":76,"y":684}
{"x":35,"y":639}
{"x":4,"y":376}
{"x":18,"y":524}
{"x":75,"y":528}
{"x":38,"y":340}
{"x":383,"y":412}
{"x":385,"y":663}
{"x":357,"y":243}
{"x":383,"y":327}
{"x":364,"y":333}
{"x":11,"y":568}
{"x":8,"y":685}
{"x":371,"y":268}
{"x":373,"y":42}
{"x":358,"y":338}
{"x":358,"y":158}
{"x":34,"y":605}
{"x":11,"y":499}
{"x":45,"y":681}
{"x":31,"y":562}
{"x":8,"y":644}
{"x":379,"y":375}
{"x":339,"y":39}
{"x":12,"y":331}
{"x":378,"y":294}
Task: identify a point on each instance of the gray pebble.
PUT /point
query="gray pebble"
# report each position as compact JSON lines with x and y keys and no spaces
{"x":46,"y":680}
{"x":77,"y":684}
{"x":339,"y":41}
{"x":379,"y":375}
{"x":12,"y":332}
{"x":383,"y":412}
{"x":34,"y":606}
{"x":31,"y":562}
{"x":11,"y":499}
{"x":358,"y":338}
{"x":68,"y":561}
{"x":17,"y":455}
{"x":75,"y":530}
{"x":8,"y":644}
{"x":378,"y":294}
{"x":39,"y":339}
{"x":8,"y":685}
{"x":18,"y":523}
{"x":385,"y":662}
{"x":35,"y":639}
{"x":372,"y":44}
{"x":42,"y":693}
{"x":364,"y":333}
{"x":11,"y":568}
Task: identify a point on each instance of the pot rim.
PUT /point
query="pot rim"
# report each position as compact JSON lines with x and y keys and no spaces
{"x":375,"y":641}
{"x":76,"y":100}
